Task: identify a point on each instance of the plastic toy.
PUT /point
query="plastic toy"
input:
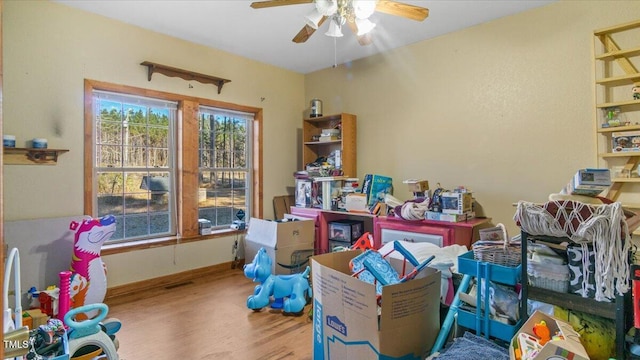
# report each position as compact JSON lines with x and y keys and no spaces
{"x":372,"y":267}
{"x":636,"y":92}
{"x":529,"y":346}
{"x":48,"y":300}
{"x":88,"y":336}
{"x":541,"y":330}
{"x":89,"y":278}
{"x":364,"y":242}
{"x":293,"y":289}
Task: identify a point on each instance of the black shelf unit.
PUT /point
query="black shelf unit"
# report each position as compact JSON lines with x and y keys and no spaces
{"x":615,"y":310}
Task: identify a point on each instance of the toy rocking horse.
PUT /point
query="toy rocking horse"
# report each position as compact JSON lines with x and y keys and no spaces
{"x":294,"y":289}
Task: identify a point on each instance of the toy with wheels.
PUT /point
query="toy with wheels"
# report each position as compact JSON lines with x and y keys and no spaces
{"x":293,"y":290}
{"x":90,"y":338}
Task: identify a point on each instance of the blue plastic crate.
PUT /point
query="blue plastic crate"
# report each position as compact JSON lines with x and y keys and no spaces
{"x":480,"y":321}
{"x":496,"y":329}
{"x":493,"y":272}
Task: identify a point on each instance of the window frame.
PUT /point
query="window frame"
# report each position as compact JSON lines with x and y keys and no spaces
{"x":171,"y":168}
{"x":186,"y":162}
{"x":235,"y":115}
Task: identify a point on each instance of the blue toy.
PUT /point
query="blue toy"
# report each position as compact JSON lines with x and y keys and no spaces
{"x":293,"y":290}
{"x":371,"y":267}
{"x":92,"y":336}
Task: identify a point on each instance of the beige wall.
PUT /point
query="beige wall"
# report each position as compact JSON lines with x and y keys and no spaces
{"x":49,"y":49}
{"x":504,"y":108}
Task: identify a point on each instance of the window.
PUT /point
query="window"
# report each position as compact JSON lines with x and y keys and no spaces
{"x":134,"y":164}
{"x":159,"y":162}
{"x":225,"y":165}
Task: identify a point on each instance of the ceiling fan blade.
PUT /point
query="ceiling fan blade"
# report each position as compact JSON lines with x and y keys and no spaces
{"x":305,"y":33}
{"x":401,"y":9}
{"x":274,"y":3}
{"x":362,"y":39}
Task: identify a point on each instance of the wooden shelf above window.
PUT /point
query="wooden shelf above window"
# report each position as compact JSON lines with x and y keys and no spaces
{"x":184,"y":74}
{"x":30,"y":156}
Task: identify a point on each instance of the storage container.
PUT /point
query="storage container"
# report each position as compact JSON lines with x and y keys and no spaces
{"x":481,"y":320}
{"x":9,"y":141}
{"x":338,"y":245}
{"x":345,"y":230}
{"x":548,"y":276}
{"x":39,"y":143}
{"x":503,"y":274}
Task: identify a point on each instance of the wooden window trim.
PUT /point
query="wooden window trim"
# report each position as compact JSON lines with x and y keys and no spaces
{"x":186,"y":166}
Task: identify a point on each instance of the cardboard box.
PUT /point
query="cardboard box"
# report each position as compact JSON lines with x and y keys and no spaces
{"x":37,"y":317}
{"x":282,"y":240}
{"x":345,"y":313}
{"x":282,"y":205}
{"x":417,"y":186}
{"x":569,"y":348}
{"x":456,"y":202}
{"x":625,"y":141}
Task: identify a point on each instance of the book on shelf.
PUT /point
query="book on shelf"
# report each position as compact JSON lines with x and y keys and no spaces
{"x":375,"y":187}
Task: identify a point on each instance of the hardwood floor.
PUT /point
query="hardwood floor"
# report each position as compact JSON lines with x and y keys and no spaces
{"x":208,"y":319}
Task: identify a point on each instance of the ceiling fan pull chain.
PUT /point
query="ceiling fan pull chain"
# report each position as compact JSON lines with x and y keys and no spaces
{"x":335,"y":53}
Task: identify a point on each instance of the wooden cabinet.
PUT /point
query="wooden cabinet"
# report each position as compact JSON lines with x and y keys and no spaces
{"x":312,"y":149}
{"x":616,"y":64}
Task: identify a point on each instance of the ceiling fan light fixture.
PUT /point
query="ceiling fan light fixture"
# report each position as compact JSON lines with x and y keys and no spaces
{"x":362,"y":9}
{"x":364,"y":26}
{"x":326,"y":7}
{"x":313,"y":18}
{"x":334,"y":28}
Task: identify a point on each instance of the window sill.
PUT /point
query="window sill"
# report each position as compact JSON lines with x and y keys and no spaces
{"x":120,"y":248}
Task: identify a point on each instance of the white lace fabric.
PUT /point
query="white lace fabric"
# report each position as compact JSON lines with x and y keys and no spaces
{"x":603,"y":226}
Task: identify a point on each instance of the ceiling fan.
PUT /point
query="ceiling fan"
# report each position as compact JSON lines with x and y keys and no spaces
{"x":353,"y":13}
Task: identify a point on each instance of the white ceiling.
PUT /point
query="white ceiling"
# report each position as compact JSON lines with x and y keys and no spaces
{"x":265,"y":34}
